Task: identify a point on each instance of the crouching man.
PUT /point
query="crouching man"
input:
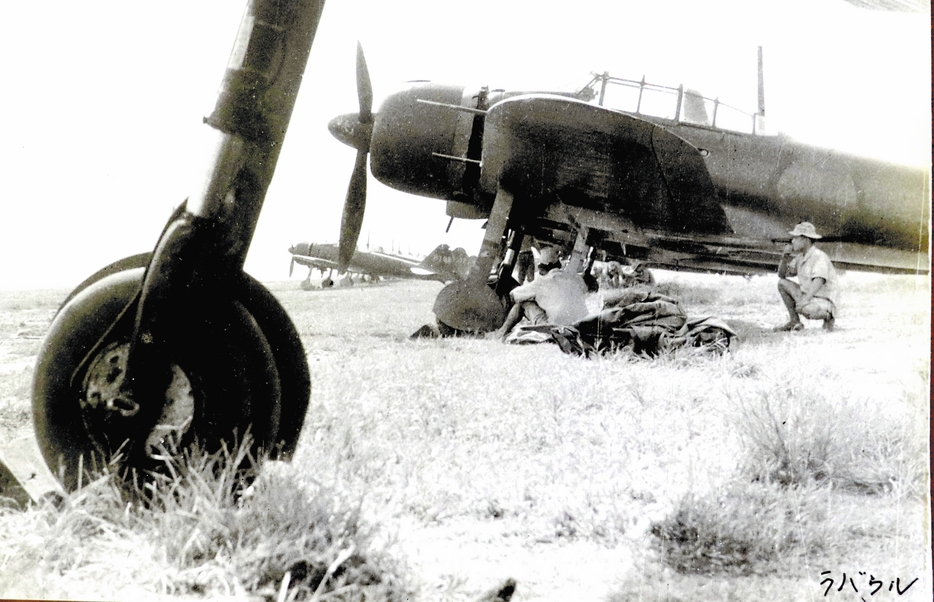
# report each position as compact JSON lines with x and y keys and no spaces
{"x":813,"y":295}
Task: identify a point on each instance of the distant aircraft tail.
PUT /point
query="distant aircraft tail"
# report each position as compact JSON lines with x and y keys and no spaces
{"x":448,"y":264}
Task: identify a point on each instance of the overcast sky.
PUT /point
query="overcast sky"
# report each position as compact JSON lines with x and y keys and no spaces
{"x":104,"y":101}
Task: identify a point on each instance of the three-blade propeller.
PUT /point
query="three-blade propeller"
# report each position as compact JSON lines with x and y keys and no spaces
{"x":355,"y":130}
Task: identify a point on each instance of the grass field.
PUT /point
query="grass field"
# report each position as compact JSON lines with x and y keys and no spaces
{"x":437,"y":469}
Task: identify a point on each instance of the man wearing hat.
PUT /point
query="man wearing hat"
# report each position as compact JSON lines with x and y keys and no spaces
{"x":556,"y":296}
{"x":814,"y":294}
{"x":636,"y":274}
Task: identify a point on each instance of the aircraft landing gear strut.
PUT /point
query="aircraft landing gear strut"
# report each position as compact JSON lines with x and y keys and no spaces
{"x":163,"y":350}
{"x":470,"y":305}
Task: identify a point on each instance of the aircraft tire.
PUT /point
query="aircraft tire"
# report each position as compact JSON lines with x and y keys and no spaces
{"x":277,"y":327}
{"x":291,"y":362}
{"x":140,"y":260}
{"x":225,"y":382}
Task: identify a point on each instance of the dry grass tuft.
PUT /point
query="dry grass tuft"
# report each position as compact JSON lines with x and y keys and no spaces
{"x":205,"y":527}
{"x":796,"y":434}
{"x":747,"y":528}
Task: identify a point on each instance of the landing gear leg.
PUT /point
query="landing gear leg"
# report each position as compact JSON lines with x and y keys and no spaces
{"x":471,"y":305}
{"x":504,"y":280}
{"x":141,"y":361}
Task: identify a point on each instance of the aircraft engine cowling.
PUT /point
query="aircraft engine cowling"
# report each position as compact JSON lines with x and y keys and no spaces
{"x":408,"y":133}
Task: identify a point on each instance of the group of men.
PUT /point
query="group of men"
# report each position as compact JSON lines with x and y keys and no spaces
{"x":558,"y":296}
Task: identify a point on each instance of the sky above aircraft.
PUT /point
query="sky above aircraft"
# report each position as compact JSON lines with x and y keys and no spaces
{"x":105,"y":99}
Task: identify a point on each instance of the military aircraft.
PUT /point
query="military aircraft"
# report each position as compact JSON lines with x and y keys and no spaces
{"x":674,"y":180}
{"x":442,"y":264}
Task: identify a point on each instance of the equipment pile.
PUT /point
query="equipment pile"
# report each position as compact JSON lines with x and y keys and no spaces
{"x":643,"y":322}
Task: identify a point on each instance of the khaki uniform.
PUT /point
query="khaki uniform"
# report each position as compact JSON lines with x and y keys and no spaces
{"x":808,"y":266}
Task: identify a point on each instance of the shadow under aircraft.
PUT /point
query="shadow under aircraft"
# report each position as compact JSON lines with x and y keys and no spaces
{"x":666,"y":177}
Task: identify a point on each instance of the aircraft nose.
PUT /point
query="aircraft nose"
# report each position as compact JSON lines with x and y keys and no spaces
{"x":348,"y":129}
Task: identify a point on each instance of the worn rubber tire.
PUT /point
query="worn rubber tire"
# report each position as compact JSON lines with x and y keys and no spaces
{"x":283,"y":338}
{"x":291,"y":362}
{"x":221,"y":350}
{"x":140,"y":260}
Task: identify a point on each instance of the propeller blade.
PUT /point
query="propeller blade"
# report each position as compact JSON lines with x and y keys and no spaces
{"x":354,"y":207}
{"x":291,"y":267}
{"x":364,"y":88}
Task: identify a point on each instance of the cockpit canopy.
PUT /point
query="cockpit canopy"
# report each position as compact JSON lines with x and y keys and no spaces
{"x":678,"y":105}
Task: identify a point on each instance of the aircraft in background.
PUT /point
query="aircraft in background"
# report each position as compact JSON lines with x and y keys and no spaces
{"x":442,"y":264}
{"x":670,"y":178}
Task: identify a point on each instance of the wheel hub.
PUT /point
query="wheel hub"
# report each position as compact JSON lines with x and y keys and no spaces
{"x":106,"y":401}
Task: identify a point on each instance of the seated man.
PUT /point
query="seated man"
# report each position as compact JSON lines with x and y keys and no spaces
{"x":556,"y":296}
{"x":814,"y":293}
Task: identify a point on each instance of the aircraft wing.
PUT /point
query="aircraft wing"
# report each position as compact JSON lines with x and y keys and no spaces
{"x":742,"y":256}
{"x":725,"y":254}
{"x":390,"y":258}
{"x":317,"y":263}
{"x":390,"y":266}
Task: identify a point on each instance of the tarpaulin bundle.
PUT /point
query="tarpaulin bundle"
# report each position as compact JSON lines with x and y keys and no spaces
{"x":643,"y":322}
